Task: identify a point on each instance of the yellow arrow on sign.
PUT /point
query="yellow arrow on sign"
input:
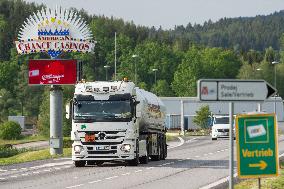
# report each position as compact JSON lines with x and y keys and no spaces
{"x":262,"y":164}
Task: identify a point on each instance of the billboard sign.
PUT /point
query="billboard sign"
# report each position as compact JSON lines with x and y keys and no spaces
{"x":52,"y":72}
{"x":54,"y":31}
{"x":257,"y":150}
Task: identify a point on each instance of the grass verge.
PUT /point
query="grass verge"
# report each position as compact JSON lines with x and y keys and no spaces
{"x":24,"y":139}
{"x":266,"y":183}
{"x":32,"y":156}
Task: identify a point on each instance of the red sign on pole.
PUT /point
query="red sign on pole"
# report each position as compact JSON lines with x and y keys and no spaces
{"x":52,"y":72}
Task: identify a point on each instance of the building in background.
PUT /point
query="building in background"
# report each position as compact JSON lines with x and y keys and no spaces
{"x":192,"y":104}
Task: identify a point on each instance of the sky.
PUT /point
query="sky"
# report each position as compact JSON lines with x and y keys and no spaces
{"x":170,"y":13}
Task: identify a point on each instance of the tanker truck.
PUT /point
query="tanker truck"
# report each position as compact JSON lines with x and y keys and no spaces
{"x":116,"y":121}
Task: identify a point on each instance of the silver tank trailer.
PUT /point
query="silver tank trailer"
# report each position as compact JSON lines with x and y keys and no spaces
{"x":152,"y":111}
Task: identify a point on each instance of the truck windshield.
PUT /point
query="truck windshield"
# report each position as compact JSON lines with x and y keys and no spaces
{"x":222,"y":120}
{"x":103,"y":110}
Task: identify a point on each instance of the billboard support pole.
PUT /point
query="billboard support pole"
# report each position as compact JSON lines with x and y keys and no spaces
{"x":56,"y":140}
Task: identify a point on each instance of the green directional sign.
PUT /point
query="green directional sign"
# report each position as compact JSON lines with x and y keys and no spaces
{"x":257,"y":145}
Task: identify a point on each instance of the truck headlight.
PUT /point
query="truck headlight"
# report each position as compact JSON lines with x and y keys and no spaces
{"x":78,"y":149}
{"x":125,"y":147}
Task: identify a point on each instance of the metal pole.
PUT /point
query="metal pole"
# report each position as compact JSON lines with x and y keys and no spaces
{"x":56,"y":140}
{"x":135,"y":72}
{"x":106,"y":74}
{"x":155,"y":78}
{"x":275,"y":88}
{"x":259,"y":107}
{"x":181,"y":118}
{"x":259,"y":183}
{"x":114,"y":56}
{"x":231,"y":163}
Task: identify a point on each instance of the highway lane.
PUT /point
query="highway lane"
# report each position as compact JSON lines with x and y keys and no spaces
{"x":198,"y":162}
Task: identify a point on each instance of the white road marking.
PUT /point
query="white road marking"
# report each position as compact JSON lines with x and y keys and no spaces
{"x":14,"y":176}
{"x":1,"y":170}
{"x":75,"y":186}
{"x":25,"y":174}
{"x":181,"y":143}
{"x":13,"y":169}
{"x":67,"y":166}
{"x":47,"y":170}
{"x":75,"y":177}
{"x":181,"y":159}
{"x":214,"y":184}
{"x":94,"y":181}
{"x":210,"y":153}
{"x":24,"y":168}
{"x":36,"y":172}
{"x":191,"y":140}
{"x":150,"y":168}
{"x":218,"y":151}
{"x":138,"y":171}
{"x":2,"y":178}
{"x":196,"y":156}
{"x":62,"y":159}
{"x":57,"y":168}
{"x":188,"y":158}
{"x":205,"y":154}
{"x":109,"y":178}
{"x":124,"y":174}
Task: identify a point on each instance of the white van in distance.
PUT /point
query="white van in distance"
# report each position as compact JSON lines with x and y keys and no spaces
{"x":220,"y":127}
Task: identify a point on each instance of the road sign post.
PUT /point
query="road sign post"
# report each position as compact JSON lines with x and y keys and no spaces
{"x":230,"y":90}
{"x":257,"y":145}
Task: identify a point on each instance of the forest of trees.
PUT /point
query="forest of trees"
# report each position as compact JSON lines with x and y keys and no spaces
{"x":229,"y":48}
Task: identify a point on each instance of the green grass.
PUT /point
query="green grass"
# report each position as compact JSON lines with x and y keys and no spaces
{"x":32,"y":156}
{"x":24,"y":139}
{"x":266,"y":183}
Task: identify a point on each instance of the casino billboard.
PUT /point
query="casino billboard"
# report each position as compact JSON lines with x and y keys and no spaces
{"x":52,"y":72}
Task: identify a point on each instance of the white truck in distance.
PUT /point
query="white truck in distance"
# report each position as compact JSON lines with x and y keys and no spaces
{"x":116,"y":121}
{"x":220,"y":127}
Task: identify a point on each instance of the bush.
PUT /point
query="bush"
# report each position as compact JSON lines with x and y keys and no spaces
{"x":10,"y":130}
{"x":7,"y":151}
{"x":67,"y":142}
{"x":201,"y":118}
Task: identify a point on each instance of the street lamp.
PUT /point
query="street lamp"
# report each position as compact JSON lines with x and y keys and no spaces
{"x":135,"y":72}
{"x":275,"y":63}
{"x":155,"y":71}
{"x":106,"y":67}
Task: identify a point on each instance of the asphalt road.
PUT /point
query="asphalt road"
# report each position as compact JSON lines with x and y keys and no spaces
{"x":195,"y":164}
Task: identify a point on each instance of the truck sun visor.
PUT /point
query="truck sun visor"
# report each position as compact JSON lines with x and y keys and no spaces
{"x":84,"y":97}
{"x":125,"y":96}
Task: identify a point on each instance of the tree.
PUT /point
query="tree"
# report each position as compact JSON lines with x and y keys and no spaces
{"x":202,"y":115}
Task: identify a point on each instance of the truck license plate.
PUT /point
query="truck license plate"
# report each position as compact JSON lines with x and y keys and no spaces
{"x":102,"y":147}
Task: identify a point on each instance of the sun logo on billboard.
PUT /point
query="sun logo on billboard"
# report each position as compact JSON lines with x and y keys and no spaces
{"x":54,"y":31}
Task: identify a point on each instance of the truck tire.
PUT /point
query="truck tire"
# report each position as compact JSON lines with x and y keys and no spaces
{"x":145,"y":159}
{"x":135,"y":161}
{"x":164,"y":148}
{"x":80,"y":163}
{"x":158,"y":156}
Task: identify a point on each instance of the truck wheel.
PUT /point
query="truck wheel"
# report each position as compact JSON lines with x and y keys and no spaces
{"x":164,"y":147}
{"x":135,"y":161}
{"x":144,"y":159}
{"x":80,"y":163}
{"x":214,"y":138}
{"x":157,"y":157}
